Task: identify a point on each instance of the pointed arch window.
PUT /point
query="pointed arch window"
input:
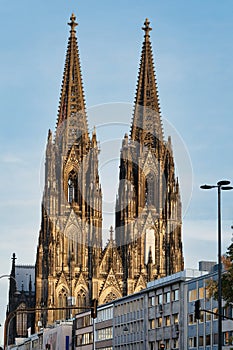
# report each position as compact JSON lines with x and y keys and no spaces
{"x":81,"y":298}
{"x":62,"y":302}
{"x":72,"y":187}
{"x":21,"y":321}
{"x":149,"y":244}
{"x":150,"y":190}
{"x":73,"y":235}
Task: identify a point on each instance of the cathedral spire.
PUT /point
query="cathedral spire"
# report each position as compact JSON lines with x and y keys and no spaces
{"x":147,"y":125}
{"x":72,"y":101}
{"x":147,"y":196}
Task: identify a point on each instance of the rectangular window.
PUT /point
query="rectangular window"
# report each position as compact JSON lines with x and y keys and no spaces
{"x":105,"y":314}
{"x":159,"y":322}
{"x":207,"y":340}
{"x":167,"y":297}
{"x":175,"y":294}
{"x":227,"y":338}
{"x":160,"y":299}
{"x":201,"y":293}
{"x":84,"y":339}
{"x":167,"y":321}
{"x":193,"y":295}
{"x":227,"y":311}
{"x":176,"y":318}
{"x":191,"y":319}
{"x":201,"y":341}
{"x":79,"y":322}
{"x":152,"y":301}
{"x":175,"y":344}
{"x":230,"y":313}
{"x":104,"y":333}
{"x":192,"y":342}
{"x":152,"y":324}
{"x":215,"y":338}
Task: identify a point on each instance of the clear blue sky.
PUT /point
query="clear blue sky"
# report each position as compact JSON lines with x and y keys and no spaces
{"x":193,"y":50}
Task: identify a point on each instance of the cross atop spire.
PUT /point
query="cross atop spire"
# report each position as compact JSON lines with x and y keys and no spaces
{"x":73,"y":24}
{"x":13,"y":258}
{"x":111,"y":233}
{"x":147,"y":28}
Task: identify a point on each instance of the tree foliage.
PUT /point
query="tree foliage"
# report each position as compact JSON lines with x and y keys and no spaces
{"x":227,"y":279}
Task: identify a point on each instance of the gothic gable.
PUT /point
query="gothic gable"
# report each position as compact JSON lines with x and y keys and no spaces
{"x":73,"y":227}
{"x":81,"y":284}
{"x":147,"y":219}
{"x":111,"y":259}
{"x":62,"y":281}
{"x":150,"y":164}
{"x":111,"y":287}
{"x":71,"y":163}
{"x":140,"y":284}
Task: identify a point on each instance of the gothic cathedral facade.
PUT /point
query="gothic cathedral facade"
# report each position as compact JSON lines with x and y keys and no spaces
{"x":72,"y":268}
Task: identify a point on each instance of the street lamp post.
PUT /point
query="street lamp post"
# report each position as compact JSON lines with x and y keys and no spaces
{"x":9,"y":277}
{"x":221,"y":185}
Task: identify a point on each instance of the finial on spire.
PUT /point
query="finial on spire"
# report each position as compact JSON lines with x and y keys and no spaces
{"x":111,"y":233}
{"x":147,"y":27}
{"x":13,"y":258}
{"x":72,"y":24}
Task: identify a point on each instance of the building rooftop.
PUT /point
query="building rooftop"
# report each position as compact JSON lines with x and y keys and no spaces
{"x":184,"y":275}
{"x":24,"y":275}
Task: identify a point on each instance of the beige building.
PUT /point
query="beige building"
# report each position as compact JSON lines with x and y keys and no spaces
{"x":72,"y":268}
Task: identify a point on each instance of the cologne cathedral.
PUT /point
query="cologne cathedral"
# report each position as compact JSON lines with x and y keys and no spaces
{"x":72,"y":268}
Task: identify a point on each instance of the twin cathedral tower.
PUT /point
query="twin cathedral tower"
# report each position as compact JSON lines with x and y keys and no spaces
{"x":71,"y":264}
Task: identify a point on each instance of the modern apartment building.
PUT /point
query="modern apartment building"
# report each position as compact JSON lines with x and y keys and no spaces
{"x":203,"y":333}
{"x":83,"y":331}
{"x":147,"y":320}
{"x":160,"y":316}
{"x":100,"y":332}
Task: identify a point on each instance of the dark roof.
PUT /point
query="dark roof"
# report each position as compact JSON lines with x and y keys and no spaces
{"x":23,"y":274}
